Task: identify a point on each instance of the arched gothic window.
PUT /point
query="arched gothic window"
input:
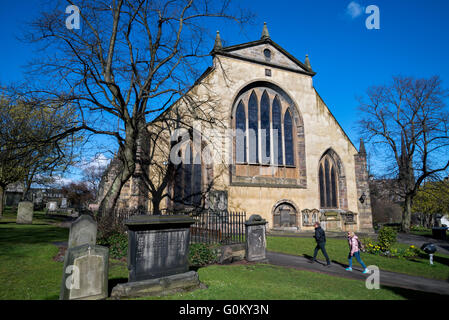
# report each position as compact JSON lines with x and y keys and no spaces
{"x":187,"y":188}
{"x":240,"y":141}
{"x":277,"y":131}
{"x":265,"y":127}
{"x":265,"y":135}
{"x":253,"y":126}
{"x":288,"y":138}
{"x":328,"y":183}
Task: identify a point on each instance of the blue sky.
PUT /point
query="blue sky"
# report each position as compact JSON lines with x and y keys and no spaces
{"x":413,"y":40}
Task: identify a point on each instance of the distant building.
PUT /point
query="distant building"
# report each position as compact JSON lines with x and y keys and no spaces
{"x":39,"y":196}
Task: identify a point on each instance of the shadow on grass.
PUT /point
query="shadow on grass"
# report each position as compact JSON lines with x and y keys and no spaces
{"x":439,"y":259}
{"x":32,"y":234}
{"x":415,"y":295}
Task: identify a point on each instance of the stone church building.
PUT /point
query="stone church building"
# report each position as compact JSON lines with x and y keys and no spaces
{"x":292,"y":163}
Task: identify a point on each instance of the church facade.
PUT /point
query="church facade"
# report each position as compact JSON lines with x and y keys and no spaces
{"x":291,"y":162}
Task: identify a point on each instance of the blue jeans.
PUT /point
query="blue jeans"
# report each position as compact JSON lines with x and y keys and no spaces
{"x":321,"y":246}
{"x":357,"y":256}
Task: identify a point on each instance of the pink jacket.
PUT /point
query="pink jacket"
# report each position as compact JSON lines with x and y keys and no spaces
{"x":353,"y":244}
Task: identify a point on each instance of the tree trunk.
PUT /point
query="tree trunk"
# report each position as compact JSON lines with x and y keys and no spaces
{"x":156,"y":203}
{"x":2,"y":200}
{"x":406,"y":214}
{"x":109,"y":201}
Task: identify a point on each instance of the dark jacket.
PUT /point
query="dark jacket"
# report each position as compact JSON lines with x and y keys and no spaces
{"x":319,"y":236}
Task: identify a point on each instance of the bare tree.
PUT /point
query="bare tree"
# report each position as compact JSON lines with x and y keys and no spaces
{"x":126,"y":64}
{"x":26,"y":152}
{"x":408,"y":121}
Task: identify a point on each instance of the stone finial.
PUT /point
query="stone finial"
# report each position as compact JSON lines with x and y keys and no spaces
{"x":307,"y":62}
{"x":362,"y":149}
{"x":218,"y":45}
{"x":265,"y":34}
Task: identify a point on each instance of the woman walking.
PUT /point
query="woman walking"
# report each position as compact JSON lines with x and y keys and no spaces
{"x":354,"y":248}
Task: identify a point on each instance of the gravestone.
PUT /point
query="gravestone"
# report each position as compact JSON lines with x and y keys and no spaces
{"x":85,"y":273}
{"x":256,"y":242}
{"x":83,"y":231}
{"x":25,"y":212}
{"x":217,"y":200}
{"x":63,"y":203}
{"x":52,"y":206}
{"x":158,"y":248}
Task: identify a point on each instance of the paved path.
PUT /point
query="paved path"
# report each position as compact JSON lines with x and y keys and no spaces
{"x":387,"y":278}
{"x":418,"y":241}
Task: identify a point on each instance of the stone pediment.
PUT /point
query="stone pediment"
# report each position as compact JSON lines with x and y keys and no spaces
{"x":267,"y":52}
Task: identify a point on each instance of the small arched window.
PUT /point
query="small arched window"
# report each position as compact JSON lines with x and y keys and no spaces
{"x":288,"y":139}
{"x":253,"y":128}
{"x":328,"y":183}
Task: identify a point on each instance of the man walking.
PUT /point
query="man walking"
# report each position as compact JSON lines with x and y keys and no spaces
{"x":320,"y":238}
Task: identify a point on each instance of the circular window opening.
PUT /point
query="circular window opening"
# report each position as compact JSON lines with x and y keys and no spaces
{"x":267,"y":54}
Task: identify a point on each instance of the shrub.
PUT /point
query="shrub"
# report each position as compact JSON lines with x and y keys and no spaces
{"x":202,"y":254}
{"x":386,"y":238}
{"x":117,"y":244}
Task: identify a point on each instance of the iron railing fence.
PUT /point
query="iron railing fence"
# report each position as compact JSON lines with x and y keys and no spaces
{"x":221,"y":227}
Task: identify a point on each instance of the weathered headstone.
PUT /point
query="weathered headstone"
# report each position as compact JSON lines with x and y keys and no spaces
{"x":63,"y":203}
{"x":85,"y":273}
{"x":25,"y":212}
{"x":52,"y":206}
{"x":83,"y":231}
{"x":217,"y":200}
{"x":256,"y":242}
{"x":158,"y":248}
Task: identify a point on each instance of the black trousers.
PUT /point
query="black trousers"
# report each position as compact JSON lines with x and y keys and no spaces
{"x":321,"y":246}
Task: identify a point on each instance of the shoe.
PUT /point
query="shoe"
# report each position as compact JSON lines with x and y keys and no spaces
{"x":312,"y":261}
{"x":348,"y":269}
{"x":366,"y":271}
{"x":328,"y":264}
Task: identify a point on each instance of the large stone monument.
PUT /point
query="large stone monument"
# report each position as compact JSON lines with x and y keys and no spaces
{"x":25,"y":212}
{"x":256,"y":242}
{"x":158,"y":249}
{"x":85,"y":273}
{"x":83,"y":231}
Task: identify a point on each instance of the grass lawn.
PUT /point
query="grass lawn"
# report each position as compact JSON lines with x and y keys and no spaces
{"x":266,"y":282}
{"x":28,"y":271}
{"x":337,"y":250}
